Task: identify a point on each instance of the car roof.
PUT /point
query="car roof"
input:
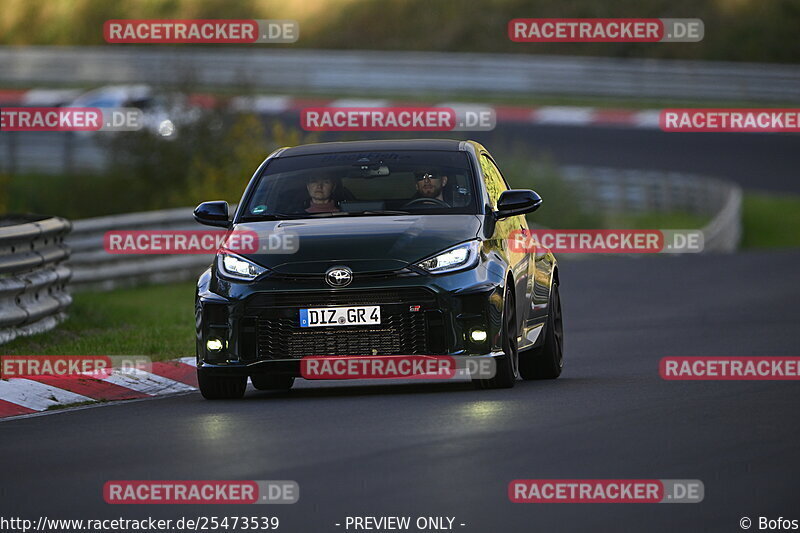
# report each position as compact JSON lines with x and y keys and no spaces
{"x":449,"y":145}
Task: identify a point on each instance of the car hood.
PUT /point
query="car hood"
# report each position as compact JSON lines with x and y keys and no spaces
{"x":364,"y":244}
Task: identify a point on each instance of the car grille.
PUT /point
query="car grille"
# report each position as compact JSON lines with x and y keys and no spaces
{"x":278,"y":334}
{"x":342,"y":297}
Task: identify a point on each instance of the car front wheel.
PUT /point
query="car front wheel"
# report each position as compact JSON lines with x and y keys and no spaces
{"x":506,"y":369}
{"x":546,"y":361}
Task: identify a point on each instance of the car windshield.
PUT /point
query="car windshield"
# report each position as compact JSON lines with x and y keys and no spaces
{"x":363,"y":184}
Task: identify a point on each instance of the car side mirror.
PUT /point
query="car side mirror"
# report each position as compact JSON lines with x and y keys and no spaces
{"x":213,"y":214}
{"x":517,"y":202}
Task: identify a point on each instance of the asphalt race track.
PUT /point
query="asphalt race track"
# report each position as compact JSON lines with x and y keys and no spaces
{"x":444,"y":449}
{"x":761,"y":161}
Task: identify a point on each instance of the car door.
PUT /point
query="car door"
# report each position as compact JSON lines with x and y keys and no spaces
{"x":519,"y":260}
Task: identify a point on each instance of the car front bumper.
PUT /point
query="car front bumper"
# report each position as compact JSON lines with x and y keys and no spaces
{"x":257,"y":323}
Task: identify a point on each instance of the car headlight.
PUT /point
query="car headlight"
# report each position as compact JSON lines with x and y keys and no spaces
{"x":459,"y":257}
{"x":234,"y":266}
{"x":166,"y":128}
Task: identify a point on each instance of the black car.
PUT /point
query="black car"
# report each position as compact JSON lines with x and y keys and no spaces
{"x":415,"y":231}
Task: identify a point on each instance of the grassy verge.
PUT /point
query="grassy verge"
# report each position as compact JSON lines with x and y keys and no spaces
{"x":89,"y":195}
{"x":670,"y":220}
{"x":770,"y":220}
{"x":156,"y":321}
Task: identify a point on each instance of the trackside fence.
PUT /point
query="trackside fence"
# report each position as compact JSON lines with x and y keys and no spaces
{"x":364,"y":71}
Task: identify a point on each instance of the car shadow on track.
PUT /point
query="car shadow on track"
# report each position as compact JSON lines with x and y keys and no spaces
{"x":322,"y":389}
{"x":304,"y":389}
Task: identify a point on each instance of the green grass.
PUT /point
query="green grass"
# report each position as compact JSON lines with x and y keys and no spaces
{"x":156,"y":321}
{"x":58,"y":407}
{"x":770,"y":220}
{"x":669,"y":220}
{"x":89,"y":195}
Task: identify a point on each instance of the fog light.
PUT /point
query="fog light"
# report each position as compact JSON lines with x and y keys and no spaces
{"x":477,"y":335}
{"x":213,"y":345}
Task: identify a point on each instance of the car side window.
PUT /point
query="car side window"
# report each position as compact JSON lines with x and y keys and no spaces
{"x":495,"y":184}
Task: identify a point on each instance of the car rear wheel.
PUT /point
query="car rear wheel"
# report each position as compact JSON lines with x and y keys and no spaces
{"x":506,"y":370}
{"x":546,"y":361}
{"x":221,"y":387}
{"x":272,"y":382}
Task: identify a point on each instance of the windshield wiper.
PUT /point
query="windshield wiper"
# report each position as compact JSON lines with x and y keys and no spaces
{"x":271,"y":216}
{"x":329,"y":214}
{"x":324,"y":214}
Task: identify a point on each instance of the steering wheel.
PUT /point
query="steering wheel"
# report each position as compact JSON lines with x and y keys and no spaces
{"x":434,"y":201}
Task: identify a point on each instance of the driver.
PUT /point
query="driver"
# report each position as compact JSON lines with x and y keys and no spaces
{"x":320,"y":195}
{"x":430,"y":185}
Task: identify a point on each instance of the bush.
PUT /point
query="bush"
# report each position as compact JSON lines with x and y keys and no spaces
{"x":211,"y":159}
{"x":735,"y":30}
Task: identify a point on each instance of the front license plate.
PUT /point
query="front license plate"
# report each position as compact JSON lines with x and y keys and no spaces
{"x":340,"y":316}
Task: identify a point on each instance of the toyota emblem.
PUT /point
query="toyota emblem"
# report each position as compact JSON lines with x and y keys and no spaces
{"x":339,"y":276}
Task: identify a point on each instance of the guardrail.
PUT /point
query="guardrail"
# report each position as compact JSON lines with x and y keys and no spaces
{"x":408,"y":72}
{"x":641,"y":191}
{"x":33,"y":276}
{"x":94,"y":268}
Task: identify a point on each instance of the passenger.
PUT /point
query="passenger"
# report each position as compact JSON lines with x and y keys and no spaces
{"x":320,"y":195}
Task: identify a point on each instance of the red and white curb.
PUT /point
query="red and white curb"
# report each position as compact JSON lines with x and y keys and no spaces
{"x":22,"y":396}
{"x":543,"y":115}
{"x":276,"y":104}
